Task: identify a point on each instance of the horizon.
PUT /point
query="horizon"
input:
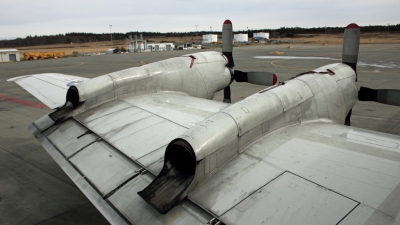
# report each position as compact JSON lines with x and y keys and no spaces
{"x":204,"y":31}
{"x":45,"y":17}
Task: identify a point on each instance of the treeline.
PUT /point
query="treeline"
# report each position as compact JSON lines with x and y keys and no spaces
{"x":76,"y":37}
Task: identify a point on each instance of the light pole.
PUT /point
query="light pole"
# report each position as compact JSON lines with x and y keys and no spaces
{"x":196,"y":35}
{"x":325,"y":36}
{"x":111,"y":36}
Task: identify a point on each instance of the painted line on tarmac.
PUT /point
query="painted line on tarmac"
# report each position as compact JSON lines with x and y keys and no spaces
{"x":23,"y":102}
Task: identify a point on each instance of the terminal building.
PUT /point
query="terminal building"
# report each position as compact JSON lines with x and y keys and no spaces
{"x":9,"y":55}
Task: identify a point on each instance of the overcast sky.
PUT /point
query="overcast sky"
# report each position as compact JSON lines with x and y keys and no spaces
{"x":19,"y":18}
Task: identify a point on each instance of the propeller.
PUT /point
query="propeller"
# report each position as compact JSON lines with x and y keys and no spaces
{"x":384,"y":96}
{"x":259,"y":78}
{"x":351,"y":43}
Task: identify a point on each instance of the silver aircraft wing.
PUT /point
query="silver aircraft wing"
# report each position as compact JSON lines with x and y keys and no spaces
{"x":116,"y":149}
{"x":309,"y":173}
{"x":49,"y":88}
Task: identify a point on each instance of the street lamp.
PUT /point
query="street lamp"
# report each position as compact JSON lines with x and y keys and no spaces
{"x":387,"y":37}
{"x":111,"y":36}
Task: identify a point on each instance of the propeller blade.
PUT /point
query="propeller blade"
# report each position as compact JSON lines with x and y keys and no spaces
{"x":227,"y":42}
{"x":227,"y":94}
{"x":260,"y":78}
{"x":384,"y":96}
{"x":351,"y":43}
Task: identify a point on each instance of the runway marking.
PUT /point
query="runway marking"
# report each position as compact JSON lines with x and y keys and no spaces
{"x":273,"y":63}
{"x":301,"y":68}
{"x":23,"y":102}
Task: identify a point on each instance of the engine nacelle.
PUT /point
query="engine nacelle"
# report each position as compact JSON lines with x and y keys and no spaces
{"x":198,"y":152}
{"x":199,"y":75}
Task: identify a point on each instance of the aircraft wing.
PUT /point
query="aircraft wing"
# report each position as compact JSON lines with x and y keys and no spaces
{"x":310,"y":173}
{"x":114,"y":150}
{"x":49,"y":88}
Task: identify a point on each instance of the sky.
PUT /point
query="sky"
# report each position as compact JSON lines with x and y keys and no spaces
{"x":20,"y":18}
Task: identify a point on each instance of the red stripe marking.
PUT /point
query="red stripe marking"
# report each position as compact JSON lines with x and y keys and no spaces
{"x":274,"y":79}
{"x":191,"y":63}
{"x":23,"y":102}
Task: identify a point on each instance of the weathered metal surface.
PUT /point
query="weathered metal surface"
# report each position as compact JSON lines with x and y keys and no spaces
{"x":363,"y":137}
{"x":328,"y":155}
{"x":70,"y":137}
{"x":102,"y":205}
{"x":236,"y":181}
{"x":105,"y":167}
{"x":154,"y":160}
{"x":139,"y":126}
{"x":94,"y":172}
{"x":49,"y":88}
{"x":293,"y":93}
{"x":290,"y":199}
{"x":138,"y":211}
{"x":255,"y":109}
{"x":44,"y":123}
{"x":134,"y":131}
{"x":102,"y":110}
{"x":184,"y":110}
{"x":150,"y":138}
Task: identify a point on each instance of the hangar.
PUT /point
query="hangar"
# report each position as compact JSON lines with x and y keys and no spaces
{"x":9,"y":55}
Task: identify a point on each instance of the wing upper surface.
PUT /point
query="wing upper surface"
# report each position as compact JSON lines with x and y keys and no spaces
{"x":301,"y":174}
{"x":49,"y":88}
{"x":142,"y":126}
{"x":109,"y":150}
{"x":314,"y":173}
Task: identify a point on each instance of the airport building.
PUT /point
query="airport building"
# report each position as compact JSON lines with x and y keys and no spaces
{"x":9,"y":55}
{"x":261,"y":35}
{"x":241,"y":37}
{"x":158,"y":47}
{"x":141,"y":45}
{"x":210,"y":38}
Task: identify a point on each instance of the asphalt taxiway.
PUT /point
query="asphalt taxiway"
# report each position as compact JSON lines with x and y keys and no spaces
{"x":34,"y":190}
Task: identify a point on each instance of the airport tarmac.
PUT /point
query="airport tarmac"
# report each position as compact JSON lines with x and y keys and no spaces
{"x":34,"y":190}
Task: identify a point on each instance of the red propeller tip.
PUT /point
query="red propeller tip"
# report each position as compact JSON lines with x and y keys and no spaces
{"x":227,"y":22}
{"x":352,"y":26}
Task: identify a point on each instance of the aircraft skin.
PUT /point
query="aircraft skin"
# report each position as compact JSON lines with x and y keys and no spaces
{"x":146,"y":145}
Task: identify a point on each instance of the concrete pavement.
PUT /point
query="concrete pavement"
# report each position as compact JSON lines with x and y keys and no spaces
{"x":34,"y":190}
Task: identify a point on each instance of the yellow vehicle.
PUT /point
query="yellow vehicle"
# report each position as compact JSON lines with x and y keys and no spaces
{"x":43,"y":55}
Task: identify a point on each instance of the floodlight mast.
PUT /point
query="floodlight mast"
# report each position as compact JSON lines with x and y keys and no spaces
{"x":196,"y":35}
{"x":111,"y":36}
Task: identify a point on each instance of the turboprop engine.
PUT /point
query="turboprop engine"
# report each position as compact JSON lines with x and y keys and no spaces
{"x":199,"y":75}
{"x":324,"y":94}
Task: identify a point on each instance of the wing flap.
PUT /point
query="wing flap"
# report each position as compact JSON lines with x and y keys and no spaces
{"x":49,"y":88}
